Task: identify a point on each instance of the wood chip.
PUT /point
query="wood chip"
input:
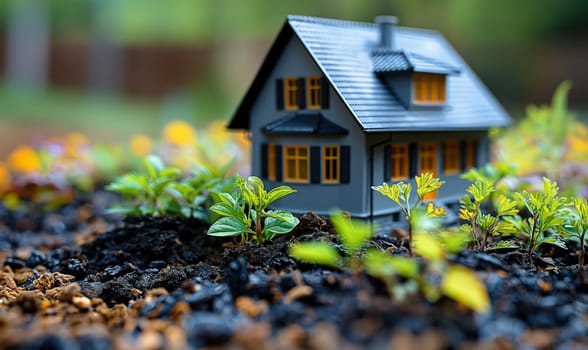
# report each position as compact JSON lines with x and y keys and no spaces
{"x":297,"y":292}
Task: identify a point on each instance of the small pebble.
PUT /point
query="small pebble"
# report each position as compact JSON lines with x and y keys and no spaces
{"x":81,"y":302}
{"x":298,"y":292}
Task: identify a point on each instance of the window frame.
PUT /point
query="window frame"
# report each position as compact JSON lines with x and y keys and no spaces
{"x":451,"y":157}
{"x":429,"y":89}
{"x":313,"y":92}
{"x":298,"y":161}
{"x":331,"y":162}
{"x":291,"y":93}
{"x":399,"y":161}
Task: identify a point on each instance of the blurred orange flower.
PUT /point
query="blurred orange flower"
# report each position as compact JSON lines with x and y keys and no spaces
{"x":179,"y":133}
{"x":140,"y":145}
{"x":5,"y":179}
{"x":24,"y":159}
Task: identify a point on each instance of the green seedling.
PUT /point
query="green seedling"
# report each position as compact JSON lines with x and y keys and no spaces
{"x":482,"y":225}
{"x":354,"y":236}
{"x":145,"y":193}
{"x":577,"y":228}
{"x":400,"y":193}
{"x":431,"y":274}
{"x":246,"y":211}
{"x":547,"y":217}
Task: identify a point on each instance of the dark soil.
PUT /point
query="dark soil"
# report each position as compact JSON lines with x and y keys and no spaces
{"x":92,"y":282}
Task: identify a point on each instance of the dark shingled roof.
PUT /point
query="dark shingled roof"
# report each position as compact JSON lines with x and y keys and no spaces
{"x":387,"y":61}
{"x":343,"y":52}
{"x":309,"y":124}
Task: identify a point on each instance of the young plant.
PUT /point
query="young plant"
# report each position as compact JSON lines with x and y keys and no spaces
{"x":400,"y":193}
{"x":482,"y":225}
{"x":577,"y":227}
{"x":433,"y":275}
{"x":246,"y":212}
{"x":547,"y":214}
{"x":354,"y":236}
{"x":145,"y":192}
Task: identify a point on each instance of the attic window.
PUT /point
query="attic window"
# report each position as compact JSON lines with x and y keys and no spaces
{"x":428,"y":88}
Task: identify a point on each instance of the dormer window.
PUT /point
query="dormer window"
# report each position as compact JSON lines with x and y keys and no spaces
{"x":428,"y":88}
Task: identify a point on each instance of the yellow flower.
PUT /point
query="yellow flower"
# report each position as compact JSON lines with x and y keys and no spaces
{"x":76,"y":139}
{"x":578,"y":144}
{"x":179,"y":133}
{"x":5,"y":179}
{"x":435,"y":212}
{"x":140,"y":145}
{"x":24,"y":159}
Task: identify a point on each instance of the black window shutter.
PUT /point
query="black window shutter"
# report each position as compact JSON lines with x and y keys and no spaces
{"x":463,"y":152}
{"x":324,"y":93}
{"x":345,"y":160}
{"x":278,"y":150}
{"x":301,"y":93}
{"x":387,"y":163}
{"x":280,"y":94}
{"x":475,"y":148}
{"x":442,"y":159}
{"x":315,"y":164}
{"x":264,"y":164}
{"x":413,"y":154}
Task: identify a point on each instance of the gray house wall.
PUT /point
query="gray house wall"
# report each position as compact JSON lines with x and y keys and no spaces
{"x":321,"y":198}
{"x":454,"y":187}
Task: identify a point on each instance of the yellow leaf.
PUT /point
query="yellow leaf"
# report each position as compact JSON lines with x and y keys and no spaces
{"x":435,"y":212}
{"x":462,"y":285}
{"x":428,"y":246}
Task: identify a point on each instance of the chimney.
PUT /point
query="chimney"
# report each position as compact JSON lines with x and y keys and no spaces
{"x":386,"y":25}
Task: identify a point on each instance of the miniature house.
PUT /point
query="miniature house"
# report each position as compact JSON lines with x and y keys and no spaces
{"x":339,"y":106}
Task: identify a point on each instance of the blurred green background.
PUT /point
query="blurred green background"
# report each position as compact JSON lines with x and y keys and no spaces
{"x":111,"y":68}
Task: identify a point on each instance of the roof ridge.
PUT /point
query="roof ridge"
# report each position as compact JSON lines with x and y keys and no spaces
{"x":328,"y":21}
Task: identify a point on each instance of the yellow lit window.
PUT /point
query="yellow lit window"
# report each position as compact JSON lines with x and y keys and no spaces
{"x":291,"y":93}
{"x":296,"y":163}
{"x":470,"y":154}
{"x":451,"y":159}
{"x":331,"y":156}
{"x":428,"y":88}
{"x":399,"y":161}
{"x":313,"y":86}
{"x":428,"y":163}
{"x":271,"y":162}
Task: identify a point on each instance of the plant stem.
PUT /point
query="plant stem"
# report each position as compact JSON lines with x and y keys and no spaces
{"x":409,"y":235}
{"x":581,"y":258}
{"x":532,"y":237}
{"x":258,"y":228}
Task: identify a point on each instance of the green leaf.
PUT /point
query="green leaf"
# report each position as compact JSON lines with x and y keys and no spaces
{"x":227,"y":210}
{"x":552,"y":241}
{"x":354,"y":234}
{"x":507,"y":244}
{"x":427,"y":183}
{"x":154,"y":165}
{"x":123,"y":210}
{"x":481,"y":190}
{"x":129,"y":185}
{"x":461,"y":284}
{"x":428,"y":246}
{"x":274,"y":226}
{"x":277,"y":193}
{"x":506,"y":207}
{"x":227,"y":226}
{"x":158,"y":185}
{"x":381,"y":265}
{"x":316,"y":253}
